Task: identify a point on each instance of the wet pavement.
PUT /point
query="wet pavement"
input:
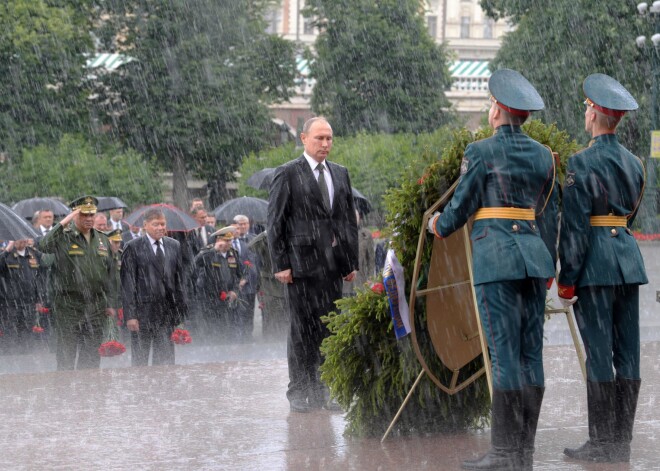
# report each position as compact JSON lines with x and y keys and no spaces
{"x":223,"y":407}
{"x":234,"y":416}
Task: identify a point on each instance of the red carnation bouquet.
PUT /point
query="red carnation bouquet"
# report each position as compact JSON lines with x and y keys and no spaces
{"x":111,"y":346}
{"x":181,"y":336}
{"x":378,"y":288}
{"x":36,"y":328}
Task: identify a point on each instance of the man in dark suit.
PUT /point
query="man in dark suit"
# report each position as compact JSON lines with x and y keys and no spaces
{"x":203,"y":232}
{"x":153,"y":291}
{"x":312,"y":233}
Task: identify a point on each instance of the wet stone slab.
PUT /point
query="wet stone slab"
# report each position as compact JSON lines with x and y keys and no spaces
{"x":234,"y":416}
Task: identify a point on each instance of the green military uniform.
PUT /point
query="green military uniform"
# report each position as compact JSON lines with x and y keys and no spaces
{"x":22,"y":286}
{"x":601,"y":264}
{"x":218,"y":273}
{"x":507,"y":184}
{"x":83,"y":287}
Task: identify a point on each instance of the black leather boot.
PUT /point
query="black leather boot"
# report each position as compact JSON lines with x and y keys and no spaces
{"x":532,"y":399}
{"x":505,"y":434}
{"x":627,"y":392}
{"x":602,"y":422}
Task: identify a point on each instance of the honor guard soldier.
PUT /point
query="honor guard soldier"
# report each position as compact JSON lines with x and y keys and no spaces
{"x":219,"y":278}
{"x":83,"y":285}
{"x":602,"y":268}
{"x":507,"y":184}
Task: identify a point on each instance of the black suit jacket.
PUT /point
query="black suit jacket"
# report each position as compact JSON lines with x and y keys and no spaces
{"x":301,"y":230}
{"x":141,"y":281}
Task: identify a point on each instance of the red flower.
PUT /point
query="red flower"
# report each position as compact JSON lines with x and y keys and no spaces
{"x":261,"y":305}
{"x":120,"y":316}
{"x":181,"y":336}
{"x":375,"y":235}
{"x":378,"y":288}
{"x":223,"y":296}
{"x":248,"y":263}
{"x":43,"y":310}
{"x":111,"y":348}
{"x":37,"y":329}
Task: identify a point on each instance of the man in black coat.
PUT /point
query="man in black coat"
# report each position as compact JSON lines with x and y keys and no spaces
{"x":312,"y":233}
{"x":153,"y":291}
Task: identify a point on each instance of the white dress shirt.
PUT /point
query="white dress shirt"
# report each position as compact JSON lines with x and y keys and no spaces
{"x":328,"y":177}
{"x":154,"y":247}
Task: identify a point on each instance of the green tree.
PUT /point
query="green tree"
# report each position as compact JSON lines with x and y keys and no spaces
{"x":197,"y":95}
{"x":42,"y":93}
{"x":557,"y":44}
{"x":376,"y":67}
{"x":75,"y":166}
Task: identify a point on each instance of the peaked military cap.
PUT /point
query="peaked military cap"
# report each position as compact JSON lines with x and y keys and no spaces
{"x":513,"y":93}
{"x":86,"y":204}
{"x":607,"y":95}
{"x":114,"y":235}
{"x":226,"y":233}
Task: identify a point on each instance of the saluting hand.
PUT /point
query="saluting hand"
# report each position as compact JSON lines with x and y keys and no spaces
{"x":69,"y":217}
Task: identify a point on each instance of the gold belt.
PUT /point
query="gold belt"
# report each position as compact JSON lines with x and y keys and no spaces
{"x":505,"y":213}
{"x":608,"y":221}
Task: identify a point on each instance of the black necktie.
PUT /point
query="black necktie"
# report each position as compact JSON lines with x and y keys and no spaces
{"x":323,"y":186}
{"x":160,"y":255}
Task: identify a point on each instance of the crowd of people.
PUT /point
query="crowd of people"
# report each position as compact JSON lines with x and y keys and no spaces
{"x":46,"y":283}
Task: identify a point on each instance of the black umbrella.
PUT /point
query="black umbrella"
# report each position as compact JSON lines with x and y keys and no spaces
{"x":362,"y":204}
{"x":27,"y":208}
{"x":262,"y":179}
{"x":177,"y":219}
{"x":13,"y":226}
{"x":106,"y":203}
{"x":254,"y":208}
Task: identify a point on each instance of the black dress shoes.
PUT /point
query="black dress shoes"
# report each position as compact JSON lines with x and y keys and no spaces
{"x":299,"y":405}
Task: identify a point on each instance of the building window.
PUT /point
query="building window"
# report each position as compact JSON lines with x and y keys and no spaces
{"x":488,"y":28}
{"x":308,"y":26}
{"x":465,"y":27}
{"x":273,"y":21}
{"x":432,"y":26}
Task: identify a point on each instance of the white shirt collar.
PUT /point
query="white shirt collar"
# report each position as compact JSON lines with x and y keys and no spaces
{"x":313,"y":163}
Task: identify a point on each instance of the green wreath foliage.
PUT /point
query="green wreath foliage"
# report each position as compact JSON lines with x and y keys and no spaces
{"x":368,"y":371}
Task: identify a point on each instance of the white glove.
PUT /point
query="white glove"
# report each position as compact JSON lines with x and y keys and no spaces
{"x":568,"y":302}
{"x":431,"y":224}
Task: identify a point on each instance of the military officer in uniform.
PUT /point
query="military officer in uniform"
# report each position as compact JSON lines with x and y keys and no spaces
{"x":602,"y":268}
{"x":219,"y":278}
{"x":22,"y":286}
{"x":83,"y":285}
{"x":116,"y":243}
{"x":507,"y":184}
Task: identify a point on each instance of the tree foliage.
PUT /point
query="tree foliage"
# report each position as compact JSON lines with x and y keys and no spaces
{"x":556,"y":45}
{"x":75,"y":166}
{"x":366,"y":368}
{"x":42,"y":93}
{"x":376,"y":67}
{"x":375,"y":162}
{"x":197,"y":95}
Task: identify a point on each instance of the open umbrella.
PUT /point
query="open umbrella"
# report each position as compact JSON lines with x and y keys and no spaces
{"x":13,"y":226}
{"x":177,"y":219}
{"x":262,"y":179}
{"x":254,"y":208}
{"x":362,"y":204}
{"x":27,"y":208}
{"x":106,"y":203}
